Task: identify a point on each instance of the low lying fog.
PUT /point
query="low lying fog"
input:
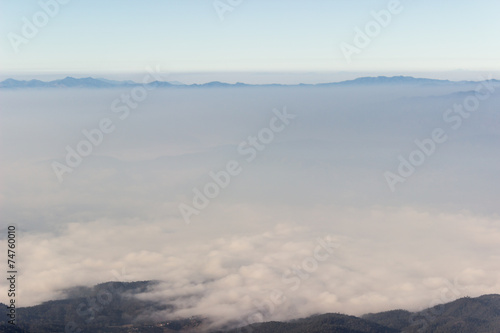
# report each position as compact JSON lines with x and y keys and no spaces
{"x":261,"y":203}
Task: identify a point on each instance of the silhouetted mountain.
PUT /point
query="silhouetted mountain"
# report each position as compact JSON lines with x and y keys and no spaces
{"x":394,"y":80}
{"x":465,"y":315}
{"x":397,"y":319}
{"x":70,"y":82}
{"x":112,"y":307}
{"x":90,"y":309}
{"x":481,"y":314}
{"x":11,"y":83}
{"x":325,"y":323}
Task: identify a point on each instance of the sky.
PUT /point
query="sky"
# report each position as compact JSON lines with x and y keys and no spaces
{"x":341,"y":199}
{"x":455,"y":39}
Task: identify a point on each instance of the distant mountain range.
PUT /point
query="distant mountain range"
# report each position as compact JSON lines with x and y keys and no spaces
{"x":112,"y":307}
{"x":465,"y":315}
{"x":89,"y":82}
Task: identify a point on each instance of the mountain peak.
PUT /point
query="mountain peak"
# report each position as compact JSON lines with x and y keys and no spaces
{"x":90,"y":82}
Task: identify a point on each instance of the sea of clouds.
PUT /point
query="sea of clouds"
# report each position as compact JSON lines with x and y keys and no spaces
{"x":309,"y":225}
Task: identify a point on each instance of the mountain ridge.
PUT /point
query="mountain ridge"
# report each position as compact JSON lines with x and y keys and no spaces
{"x":101,"y":83}
{"x":115,"y":309}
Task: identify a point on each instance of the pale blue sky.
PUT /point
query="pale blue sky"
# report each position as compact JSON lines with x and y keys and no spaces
{"x":258,"y":35}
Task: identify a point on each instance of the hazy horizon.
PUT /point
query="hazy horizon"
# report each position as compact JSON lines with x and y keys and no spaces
{"x":258,"y":77}
{"x":283,"y":201}
{"x":321,"y":175}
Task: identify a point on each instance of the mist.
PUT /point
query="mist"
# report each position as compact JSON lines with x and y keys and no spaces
{"x":303,"y":221}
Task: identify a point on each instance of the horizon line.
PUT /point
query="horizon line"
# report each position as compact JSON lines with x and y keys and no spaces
{"x":180,"y":84}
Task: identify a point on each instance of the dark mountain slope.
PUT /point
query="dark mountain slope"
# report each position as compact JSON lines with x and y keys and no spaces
{"x":481,"y":314}
{"x":112,"y":307}
{"x":319,"y":324}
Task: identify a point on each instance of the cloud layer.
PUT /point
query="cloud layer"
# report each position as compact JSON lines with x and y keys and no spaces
{"x":257,"y":251}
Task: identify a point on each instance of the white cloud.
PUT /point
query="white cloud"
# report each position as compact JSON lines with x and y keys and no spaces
{"x":253,"y":253}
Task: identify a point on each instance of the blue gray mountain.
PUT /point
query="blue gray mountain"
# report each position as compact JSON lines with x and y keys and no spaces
{"x":99,"y":83}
